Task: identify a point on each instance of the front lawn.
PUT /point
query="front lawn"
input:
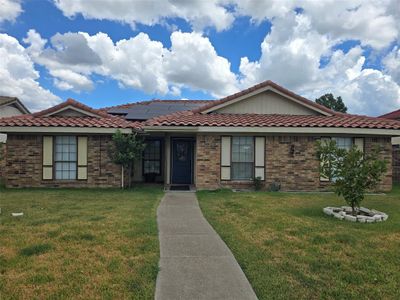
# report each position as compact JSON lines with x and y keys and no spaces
{"x":79,"y":243}
{"x":289,"y":249}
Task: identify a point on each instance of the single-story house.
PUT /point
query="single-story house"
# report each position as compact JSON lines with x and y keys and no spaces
{"x":265,"y":131}
{"x":395,"y":115}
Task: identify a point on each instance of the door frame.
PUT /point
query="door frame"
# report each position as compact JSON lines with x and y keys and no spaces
{"x":189,"y":139}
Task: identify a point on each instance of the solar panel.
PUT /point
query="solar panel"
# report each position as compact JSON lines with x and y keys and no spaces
{"x":154,"y":109}
{"x":117,"y":111}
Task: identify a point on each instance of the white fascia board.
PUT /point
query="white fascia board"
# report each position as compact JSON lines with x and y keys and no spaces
{"x":275,"y":130}
{"x":41,"y":129}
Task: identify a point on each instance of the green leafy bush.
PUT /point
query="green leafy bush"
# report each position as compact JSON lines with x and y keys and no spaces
{"x":351,"y":172}
{"x":257,"y":183}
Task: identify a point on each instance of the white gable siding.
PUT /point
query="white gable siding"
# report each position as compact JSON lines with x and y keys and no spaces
{"x":69,"y":113}
{"x":266,"y":103}
{"x":9,"y":111}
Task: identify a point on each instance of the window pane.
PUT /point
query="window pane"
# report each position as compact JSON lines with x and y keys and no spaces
{"x":343,"y":142}
{"x":242,"y":171}
{"x":242,"y":149}
{"x":152,"y":157}
{"x":242,"y":167}
{"x":65,"y":157}
{"x":151,"y":167}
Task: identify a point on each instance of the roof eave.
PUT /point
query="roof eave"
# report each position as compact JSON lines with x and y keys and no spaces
{"x":272,"y":130}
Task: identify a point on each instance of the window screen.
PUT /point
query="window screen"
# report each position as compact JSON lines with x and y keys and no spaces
{"x":242,"y":166}
{"x":152,"y":157}
{"x":65,"y":157}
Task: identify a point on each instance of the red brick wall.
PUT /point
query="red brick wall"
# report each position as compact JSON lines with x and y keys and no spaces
{"x":24,"y":164}
{"x":384,"y":146}
{"x":297,"y":171}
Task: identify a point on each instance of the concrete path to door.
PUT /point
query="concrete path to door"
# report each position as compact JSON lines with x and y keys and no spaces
{"x":194,"y":262}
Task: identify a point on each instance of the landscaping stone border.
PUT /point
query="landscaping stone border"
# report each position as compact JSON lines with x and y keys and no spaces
{"x":364,"y":215}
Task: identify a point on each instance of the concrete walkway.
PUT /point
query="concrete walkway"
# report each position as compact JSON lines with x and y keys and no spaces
{"x":195,"y":263}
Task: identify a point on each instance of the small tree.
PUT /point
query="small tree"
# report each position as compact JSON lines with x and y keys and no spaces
{"x":125,"y":150}
{"x":329,"y":101}
{"x":351,"y":171}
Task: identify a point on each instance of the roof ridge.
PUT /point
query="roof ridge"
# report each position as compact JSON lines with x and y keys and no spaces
{"x":146,"y":102}
{"x":74,"y":103}
{"x":392,"y":114}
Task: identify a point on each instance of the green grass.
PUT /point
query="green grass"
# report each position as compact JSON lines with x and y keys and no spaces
{"x":35,"y":249}
{"x":79,"y":244}
{"x":289,"y":249}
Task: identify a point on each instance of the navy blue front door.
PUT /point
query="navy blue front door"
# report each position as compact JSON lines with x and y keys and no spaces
{"x":182,"y":161}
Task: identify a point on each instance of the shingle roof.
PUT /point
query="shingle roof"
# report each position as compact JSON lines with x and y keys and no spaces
{"x":146,"y":102}
{"x":273,"y":120}
{"x":150,"y":109}
{"x":392,"y":115}
{"x":264,"y":84}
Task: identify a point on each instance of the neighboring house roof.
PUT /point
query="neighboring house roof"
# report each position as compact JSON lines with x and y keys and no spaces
{"x":260,"y":88}
{"x":257,"y":120}
{"x":5,"y":101}
{"x":392,"y":115}
{"x":88,"y":118}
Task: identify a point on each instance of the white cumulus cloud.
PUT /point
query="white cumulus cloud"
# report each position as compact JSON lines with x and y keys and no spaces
{"x":137,"y":62}
{"x":9,"y":10}
{"x":199,"y":13}
{"x":18,"y":77}
{"x":291,"y":56}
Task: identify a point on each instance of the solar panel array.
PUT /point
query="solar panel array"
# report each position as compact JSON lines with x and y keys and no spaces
{"x":154,"y":109}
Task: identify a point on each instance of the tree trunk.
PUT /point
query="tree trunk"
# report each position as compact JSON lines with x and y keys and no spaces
{"x":353,"y":210}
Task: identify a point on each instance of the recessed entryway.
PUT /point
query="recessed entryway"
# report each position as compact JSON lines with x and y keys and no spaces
{"x":182,"y":161}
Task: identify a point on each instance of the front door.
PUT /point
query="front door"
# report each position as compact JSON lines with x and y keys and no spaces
{"x":182,"y":161}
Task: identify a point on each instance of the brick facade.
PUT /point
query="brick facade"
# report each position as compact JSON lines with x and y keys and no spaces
{"x":290,"y":161}
{"x":384,"y":147}
{"x":208,"y":151}
{"x":24,"y":164}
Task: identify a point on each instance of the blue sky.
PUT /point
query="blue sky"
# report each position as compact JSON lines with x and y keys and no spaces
{"x":54,"y":50}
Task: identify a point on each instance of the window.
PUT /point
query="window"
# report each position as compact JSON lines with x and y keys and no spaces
{"x":343,"y":142}
{"x":152,"y":157}
{"x":242,"y":158}
{"x":65,"y":157}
